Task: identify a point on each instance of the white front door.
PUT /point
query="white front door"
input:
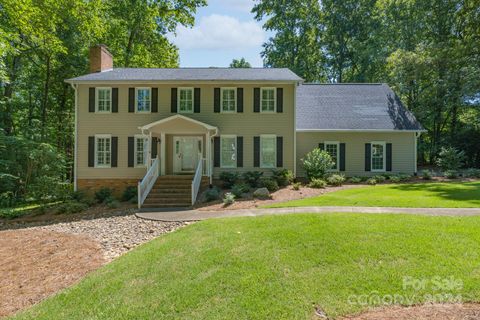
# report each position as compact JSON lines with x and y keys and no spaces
{"x":187,"y":153}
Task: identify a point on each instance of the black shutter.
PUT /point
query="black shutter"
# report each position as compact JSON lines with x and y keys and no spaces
{"x":279,"y":100}
{"x":131,"y":146}
{"x":114,"y":99}
{"x":173,"y":101}
{"x":368,"y":156}
{"x":216,"y":151}
{"x":240,"y":100}
{"x":342,"y":156}
{"x":154,"y":99}
{"x":131,"y":99}
{"x":154,"y":147}
{"x":256,"y":100}
{"x":114,"y":152}
{"x":91,"y":151}
{"x":216,"y":100}
{"x":91,"y":99}
{"x":196,"y":100}
{"x":279,"y":152}
{"x":321,"y":146}
{"x":256,"y":151}
{"x":389,"y":157}
{"x":239,"y":152}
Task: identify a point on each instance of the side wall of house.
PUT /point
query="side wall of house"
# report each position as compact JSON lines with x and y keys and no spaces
{"x":403,"y":149}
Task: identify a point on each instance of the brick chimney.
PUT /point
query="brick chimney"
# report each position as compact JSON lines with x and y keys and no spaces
{"x":100,"y":58}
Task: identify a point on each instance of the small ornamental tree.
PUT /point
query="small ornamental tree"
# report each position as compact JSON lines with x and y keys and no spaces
{"x":450,"y":158}
{"x":316,"y":163}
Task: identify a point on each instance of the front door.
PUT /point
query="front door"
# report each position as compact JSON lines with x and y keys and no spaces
{"x":187,"y":153}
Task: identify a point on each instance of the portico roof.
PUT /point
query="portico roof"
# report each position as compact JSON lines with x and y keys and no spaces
{"x":175,"y":120}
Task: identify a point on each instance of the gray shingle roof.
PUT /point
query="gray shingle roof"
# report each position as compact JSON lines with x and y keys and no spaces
{"x":352,"y":107}
{"x":191,"y":74}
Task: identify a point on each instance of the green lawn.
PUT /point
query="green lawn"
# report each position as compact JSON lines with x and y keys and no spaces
{"x":414,"y":195}
{"x":275,"y":267}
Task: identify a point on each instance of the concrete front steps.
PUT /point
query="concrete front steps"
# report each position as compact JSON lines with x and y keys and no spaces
{"x":172,"y":191}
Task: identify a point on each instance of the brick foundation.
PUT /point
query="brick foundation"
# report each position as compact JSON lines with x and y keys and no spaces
{"x":117,"y":185}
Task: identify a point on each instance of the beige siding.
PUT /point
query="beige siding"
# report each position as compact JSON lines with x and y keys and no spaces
{"x":403,"y":149}
{"x":124,"y":124}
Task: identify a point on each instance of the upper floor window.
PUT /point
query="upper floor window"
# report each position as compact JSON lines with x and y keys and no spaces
{"x":141,"y":143}
{"x":103,"y":100}
{"x":228,"y":154}
{"x":185,"y":100}
{"x":103,"y":151}
{"x":143,"y":99}
{"x":332,"y":149}
{"x":268,"y":151}
{"x":378,"y":156}
{"x":229,"y":96}
{"x":267,"y":101}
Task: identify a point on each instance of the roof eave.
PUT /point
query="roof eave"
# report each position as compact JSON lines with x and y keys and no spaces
{"x":361,"y":130}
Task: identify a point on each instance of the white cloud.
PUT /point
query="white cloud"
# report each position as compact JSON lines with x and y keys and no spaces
{"x":220,"y":32}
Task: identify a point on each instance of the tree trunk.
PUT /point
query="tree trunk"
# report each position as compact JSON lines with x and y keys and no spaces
{"x":45,"y":98}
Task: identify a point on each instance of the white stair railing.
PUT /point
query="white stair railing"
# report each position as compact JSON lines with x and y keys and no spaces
{"x":197,"y":179}
{"x":148,"y":181}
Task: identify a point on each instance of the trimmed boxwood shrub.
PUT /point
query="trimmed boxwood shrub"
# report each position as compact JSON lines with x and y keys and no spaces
{"x":212,"y":194}
{"x":229,"y":178}
{"x":268,"y":183}
{"x":284,"y":177}
{"x":103,"y":194}
{"x":239,"y":189}
{"x":252,"y":177}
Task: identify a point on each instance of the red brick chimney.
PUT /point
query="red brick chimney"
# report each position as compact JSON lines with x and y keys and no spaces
{"x":100,"y":58}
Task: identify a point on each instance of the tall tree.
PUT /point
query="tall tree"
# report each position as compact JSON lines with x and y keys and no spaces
{"x":240,"y":63}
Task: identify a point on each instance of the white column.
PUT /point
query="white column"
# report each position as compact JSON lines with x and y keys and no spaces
{"x":163,"y":143}
{"x":208,"y":151}
{"x":149,"y":150}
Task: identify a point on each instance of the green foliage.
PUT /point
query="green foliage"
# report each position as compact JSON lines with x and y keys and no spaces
{"x":355,"y":180}
{"x":112,"y":203}
{"x":212,"y":194}
{"x":395,"y":179}
{"x":239,"y":189}
{"x":240,"y":63}
{"x":284,"y":177}
{"x":296,"y":186}
{"x":228,"y":199}
{"x":450,"y":174}
{"x":472,"y":173}
{"x":450,"y":158}
{"x":129,"y":193}
{"x":427,"y":174}
{"x":336,"y":179}
{"x":269,"y":183}
{"x":10,"y":213}
{"x":229,"y":178}
{"x":317,"y":183}
{"x":404,"y":177}
{"x":316,"y":163}
{"x":372,"y":181}
{"x":381,"y":178}
{"x":252,"y":177}
{"x":71,"y":207}
{"x":103,"y":194}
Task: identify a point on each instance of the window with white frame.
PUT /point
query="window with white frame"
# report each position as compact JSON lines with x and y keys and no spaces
{"x":103,"y":151}
{"x":143,"y":99}
{"x":332,"y":148}
{"x":229,"y":96}
{"x":228,"y":151}
{"x":141,"y":144}
{"x":267,"y":100}
{"x":104,"y":100}
{"x":185,"y":100}
{"x":268,"y":151}
{"x":378,"y":156}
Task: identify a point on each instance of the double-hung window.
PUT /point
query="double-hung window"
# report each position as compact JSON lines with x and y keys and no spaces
{"x":143,"y":99}
{"x":267,"y":99}
{"x":229,"y":97}
{"x":141,"y":143}
{"x":103,"y":151}
{"x":185,"y":100}
{"x":332,"y":148}
{"x":228,"y":151}
{"x":103,"y":100}
{"x":268,"y":151}
{"x":378,"y":156}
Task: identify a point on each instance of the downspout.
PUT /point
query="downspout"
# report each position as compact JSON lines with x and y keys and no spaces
{"x":75,"y":151}
{"x":416,"y":136}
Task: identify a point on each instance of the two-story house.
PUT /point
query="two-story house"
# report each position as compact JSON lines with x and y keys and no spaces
{"x":171,"y":129}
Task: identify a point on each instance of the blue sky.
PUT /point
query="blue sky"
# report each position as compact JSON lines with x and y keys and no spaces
{"x":224,"y":30}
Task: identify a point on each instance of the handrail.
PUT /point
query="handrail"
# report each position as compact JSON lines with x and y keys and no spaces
{"x":197,"y":178}
{"x":148,"y":181}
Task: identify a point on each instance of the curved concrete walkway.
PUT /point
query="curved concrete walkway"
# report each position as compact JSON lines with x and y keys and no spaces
{"x":195,"y":215}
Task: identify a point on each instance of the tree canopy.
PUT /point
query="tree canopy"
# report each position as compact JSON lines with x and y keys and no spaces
{"x":240,"y":63}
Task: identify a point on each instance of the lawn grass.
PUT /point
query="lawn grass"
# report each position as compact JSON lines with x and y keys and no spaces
{"x":275,"y":267}
{"x":413,"y":195}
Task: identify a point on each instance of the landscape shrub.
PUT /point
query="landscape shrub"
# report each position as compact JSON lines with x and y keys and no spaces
{"x":450,"y":158}
{"x":316,"y":163}
{"x":404,"y":177}
{"x":284,"y":177}
{"x":268,"y":183}
{"x":261,"y":193}
{"x":427,"y":175}
{"x":81,"y":196}
{"x":112,"y":203}
{"x":7,"y":199}
{"x":355,"y":179}
{"x":372,"y":181}
{"x":239,"y":189}
{"x":336,"y":179}
{"x":228,"y":198}
{"x":381,"y":178}
{"x":103,"y":194}
{"x":129,"y":193}
{"x":10,"y":213}
{"x":317,"y":183}
{"x":395,"y":179}
{"x":472,"y":173}
{"x":450,"y":174}
{"x":229,"y":178}
{"x":252,"y":177}
{"x":296,"y":186}
{"x":386,"y":175}
{"x":212,"y":194}
{"x":71,"y":207}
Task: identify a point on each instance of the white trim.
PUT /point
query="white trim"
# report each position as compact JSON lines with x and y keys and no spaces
{"x":235,"y":99}
{"x":274,"y":136}
{"x":274,"y":99}
{"x":144,"y":137}
{"x":102,"y":136}
{"x":97,"y":96}
{"x":162,"y":153}
{"x":295,"y":131}
{"x":177,"y":116}
{"x":179,"y":89}
{"x":75,"y":152}
{"x":337,"y":143}
{"x":236,"y":151}
{"x":177,"y":167}
{"x":149,"y":102}
{"x":384,"y":144}
{"x":359,"y":130}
